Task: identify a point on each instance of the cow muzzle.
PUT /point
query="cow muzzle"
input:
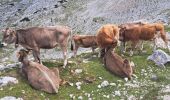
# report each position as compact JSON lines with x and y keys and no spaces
{"x":3,"y":44}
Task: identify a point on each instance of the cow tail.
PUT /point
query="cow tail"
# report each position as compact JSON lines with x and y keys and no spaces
{"x":71,"y":37}
{"x":72,"y":47}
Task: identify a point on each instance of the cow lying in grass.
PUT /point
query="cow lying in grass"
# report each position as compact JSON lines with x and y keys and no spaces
{"x":107,"y":37}
{"x":136,"y":32}
{"x":38,"y":75}
{"x":115,"y":64}
{"x":36,"y":38}
{"x":85,"y":41}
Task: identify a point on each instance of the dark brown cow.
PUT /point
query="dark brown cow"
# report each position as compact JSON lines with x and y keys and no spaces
{"x":85,"y":41}
{"x":115,"y":64}
{"x":135,"y":32}
{"x":107,"y":37}
{"x":35,"y":38}
{"x":38,"y":75}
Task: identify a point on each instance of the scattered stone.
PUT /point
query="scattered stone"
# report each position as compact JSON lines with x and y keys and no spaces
{"x":117,"y":93}
{"x":85,"y":61}
{"x":80,"y":97}
{"x":89,"y":98}
{"x":89,"y":79}
{"x":104,"y":83}
{"x":10,"y":98}
{"x":25,"y":19}
{"x":113,"y":84}
{"x":126,"y":79}
{"x":78,"y":84}
{"x":9,"y":66}
{"x":7,"y":80}
{"x":78,"y":87}
{"x":166,"y":89}
{"x":154,"y":77}
{"x":23,"y":91}
{"x":71,"y":84}
{"x":100,"y":78}
{"x":159,"y":57}
{"x":99,"y":86}
{"x":166,"y":97}
{"x":131,"y":97}
{"x":78,"y":71}
{"x":132,"y":85}
{"x":71,"y":95}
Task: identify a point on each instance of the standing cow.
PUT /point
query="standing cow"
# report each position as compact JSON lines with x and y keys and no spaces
{"x":135,"y":32}
{"x":107,"y":37}
{"x":35,"y":38}
{"x":85,"y":41}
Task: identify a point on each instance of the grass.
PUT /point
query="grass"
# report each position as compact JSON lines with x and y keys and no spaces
{"x":147,"y":89}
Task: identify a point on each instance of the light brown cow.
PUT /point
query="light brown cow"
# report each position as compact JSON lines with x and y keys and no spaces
{"x":115,"y":64}
{"x":107,"y":37}
{"x":85,"y":41}
{"x":135,"y":32}
{"x":38,"y":75}
{"x":35,"y":38}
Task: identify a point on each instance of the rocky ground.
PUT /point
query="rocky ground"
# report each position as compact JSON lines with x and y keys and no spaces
{"x":86,"y":75}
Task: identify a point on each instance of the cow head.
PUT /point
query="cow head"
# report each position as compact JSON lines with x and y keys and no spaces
{"x":128,"y":68}
{"x":122,"y":30}
{"x":22,"y":54}
{"x":9,"y":36}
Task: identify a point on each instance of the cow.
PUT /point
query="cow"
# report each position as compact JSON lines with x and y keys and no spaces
{"x":136,"y":32}
{"x":107,"y":37}
{"x":36,"y":38}
{"x":117,"y":65}
{"x":85,"y":41}
{"x":38,"y":75}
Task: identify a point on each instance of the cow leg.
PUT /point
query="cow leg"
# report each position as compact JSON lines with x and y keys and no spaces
{"x":102,"y":53}
{"x":64,"y":50}
{"x":123,"y":47}
{"x":141,"y":46}
{"x":36,"y":54}
{"x":154,"y":42}
{"x":75,"y":50}
{"x":93,"y":49}
{"x":133,"y":46}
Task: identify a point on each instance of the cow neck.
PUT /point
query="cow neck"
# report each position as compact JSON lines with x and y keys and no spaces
{"x":25,"y":61}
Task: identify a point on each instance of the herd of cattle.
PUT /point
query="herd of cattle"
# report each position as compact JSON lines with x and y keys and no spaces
{"x":107,"y":38}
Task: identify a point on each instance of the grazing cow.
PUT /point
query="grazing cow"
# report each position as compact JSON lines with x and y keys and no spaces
{"x":35,"y":38}
{"x":135,"y":32}
{"x":85,"y":41}
{"x":107,"y":37}
{"x":115,"y":64}
{"x":38,"y":75}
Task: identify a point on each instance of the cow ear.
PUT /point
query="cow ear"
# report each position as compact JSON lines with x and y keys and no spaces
{"x":126,"y":61}
{"x":3,"y":31}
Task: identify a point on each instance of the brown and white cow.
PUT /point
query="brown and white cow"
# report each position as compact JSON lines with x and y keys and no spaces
{"x":117,"y":65}
{"x":135,"y":32}
{"x":107,"y":37}
{"x":85,"y":41}
{"x":36,"y":38}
